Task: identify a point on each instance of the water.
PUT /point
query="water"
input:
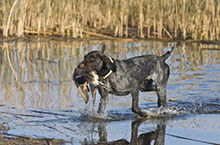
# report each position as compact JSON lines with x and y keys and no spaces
{"x":38,"y":98}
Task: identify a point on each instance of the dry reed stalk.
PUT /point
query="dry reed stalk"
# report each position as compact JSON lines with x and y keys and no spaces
{"x":5,"y":33}
{"x":183,"y":19}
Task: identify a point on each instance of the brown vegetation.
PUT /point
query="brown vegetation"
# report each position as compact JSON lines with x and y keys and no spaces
{"x":9,"y":139}
{"x":172,"y":19}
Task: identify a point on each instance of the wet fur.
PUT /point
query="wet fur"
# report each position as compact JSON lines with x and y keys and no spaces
{"x":129,"y":77}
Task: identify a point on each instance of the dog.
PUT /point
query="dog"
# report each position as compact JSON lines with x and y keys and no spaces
{"x":122,"y":77}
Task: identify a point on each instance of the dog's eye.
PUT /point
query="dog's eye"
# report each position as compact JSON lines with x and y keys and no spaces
{"x":92,"y":59}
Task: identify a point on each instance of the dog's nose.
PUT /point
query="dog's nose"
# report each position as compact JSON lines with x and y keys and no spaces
{"x":81,"y":65}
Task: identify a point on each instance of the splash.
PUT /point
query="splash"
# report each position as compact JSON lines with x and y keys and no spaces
{"x":88,"y":113}
{"x":166,"y":112}
{"x":178,"y":109}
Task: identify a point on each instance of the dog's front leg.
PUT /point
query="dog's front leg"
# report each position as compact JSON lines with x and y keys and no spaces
{"x":135,"y":106}
{"x":103,"y":100}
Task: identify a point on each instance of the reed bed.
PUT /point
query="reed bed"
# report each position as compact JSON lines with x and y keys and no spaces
{"x":165,"y":19}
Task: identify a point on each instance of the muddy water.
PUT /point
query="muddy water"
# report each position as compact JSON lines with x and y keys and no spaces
{"x":39,"y":100}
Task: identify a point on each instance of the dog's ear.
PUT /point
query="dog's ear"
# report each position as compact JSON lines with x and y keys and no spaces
{"x":109,"y":62}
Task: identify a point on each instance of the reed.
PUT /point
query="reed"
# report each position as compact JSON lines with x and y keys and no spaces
{"x":165,"y":19}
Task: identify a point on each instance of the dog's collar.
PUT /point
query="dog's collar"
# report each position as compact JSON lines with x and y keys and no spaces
{"x":106,"y":72}
{"x":110,"y":71}
{"x":111,"y":59}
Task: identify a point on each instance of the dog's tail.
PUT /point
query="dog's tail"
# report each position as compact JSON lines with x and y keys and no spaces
{"x":166,"y":55}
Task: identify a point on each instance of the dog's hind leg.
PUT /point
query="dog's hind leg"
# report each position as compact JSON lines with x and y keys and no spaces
{"x":161,"y":93}
{"x":161,"y":83}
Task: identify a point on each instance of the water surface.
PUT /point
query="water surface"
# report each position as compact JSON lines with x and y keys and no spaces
{"x":38,"y":98}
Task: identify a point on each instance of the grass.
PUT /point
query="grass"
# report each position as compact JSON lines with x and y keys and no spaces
{"x":165,"y":19}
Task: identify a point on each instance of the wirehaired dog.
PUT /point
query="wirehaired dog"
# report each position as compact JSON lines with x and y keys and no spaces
{"x":122,"y":77}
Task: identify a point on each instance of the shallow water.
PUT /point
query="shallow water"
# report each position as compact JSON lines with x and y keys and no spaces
{"x":38,"y":98}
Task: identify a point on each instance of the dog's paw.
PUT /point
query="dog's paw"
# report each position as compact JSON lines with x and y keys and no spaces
{"x":142,"y":114}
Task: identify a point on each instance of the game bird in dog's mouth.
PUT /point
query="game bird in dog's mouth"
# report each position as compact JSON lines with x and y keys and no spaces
{"x":122,"y":77}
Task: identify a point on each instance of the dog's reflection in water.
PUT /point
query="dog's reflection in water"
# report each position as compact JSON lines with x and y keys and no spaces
{"x":157,"y":136}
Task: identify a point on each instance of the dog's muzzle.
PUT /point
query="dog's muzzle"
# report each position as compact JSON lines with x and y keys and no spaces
{"x":86,"y":83}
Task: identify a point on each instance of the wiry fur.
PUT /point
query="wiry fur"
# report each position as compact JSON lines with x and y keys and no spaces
{"x":129,"y":77}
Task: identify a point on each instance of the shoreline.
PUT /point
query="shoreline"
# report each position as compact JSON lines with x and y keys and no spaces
{"x":66,"y":38}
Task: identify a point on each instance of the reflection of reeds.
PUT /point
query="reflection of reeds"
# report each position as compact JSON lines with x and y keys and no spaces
{"x":41,"y":72}
{"x":183,"y":19}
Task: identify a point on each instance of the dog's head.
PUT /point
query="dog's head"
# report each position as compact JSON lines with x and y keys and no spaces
{"x":95,"y":66}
